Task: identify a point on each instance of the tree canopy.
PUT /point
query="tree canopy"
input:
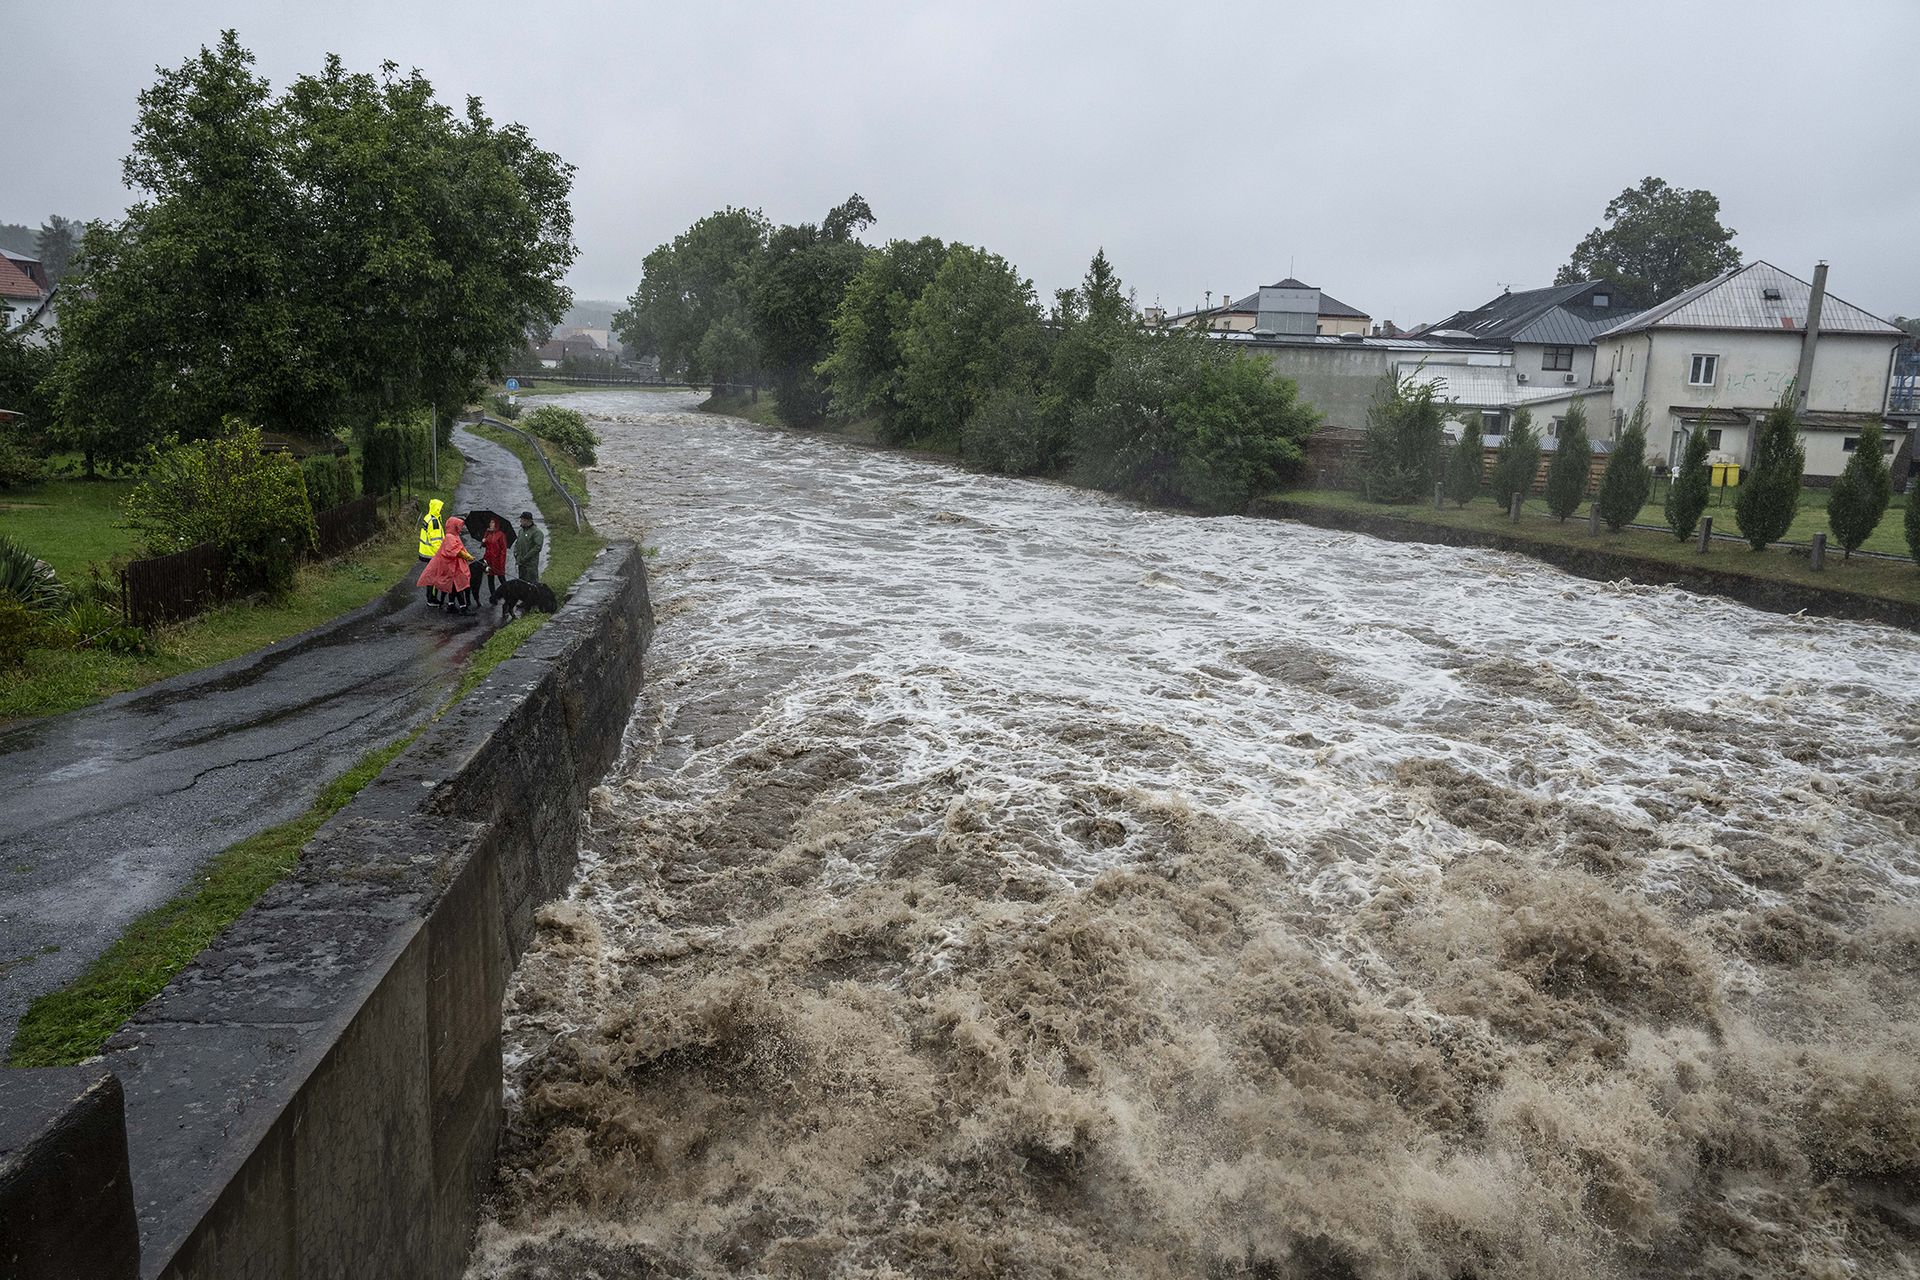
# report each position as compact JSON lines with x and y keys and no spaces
{"x":1659,"y":241}
{"x":796,"y":291}
{"x":348,"y":250}
{"x":691,"y":285}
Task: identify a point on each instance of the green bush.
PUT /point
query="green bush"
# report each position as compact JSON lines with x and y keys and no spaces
{"x":1516,"y":462}
{"x":29,"y":581}
{"x":1692,"y":486}
{"x":19,"y":631}
{"x":1911,"y":523}
{"x":1627,"y":481}
{"x":1465,"y":462}
{"x":1861,"y":494}
{"x":566,"y":428}
{"x":1770,"y":493}
{"x":1571,"y":471}
{"x":330,"y":481}
{"x":18,"y":466}
{"x":505,"y":407}
{"x":91,"y":624}
{"x":1405,"y":436}
{"x":1186,"y":420}
{"x":1012,"y":433}
{"x":230,"y":492}
{"x":395,"y":454}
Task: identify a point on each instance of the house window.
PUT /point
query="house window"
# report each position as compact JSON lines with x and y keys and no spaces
{"x":1713,"y":437}
{"x":1850,"y":444}
{"x":1602,"y":300}
{"x":1553,"y":429}
{"x":1557,"y":358}
{"x":1703,"y":371}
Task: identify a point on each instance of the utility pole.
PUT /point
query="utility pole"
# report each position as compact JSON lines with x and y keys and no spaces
{"x":433,"y":435}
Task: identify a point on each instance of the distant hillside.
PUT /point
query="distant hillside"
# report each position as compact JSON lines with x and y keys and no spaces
{"x":590,"y":314}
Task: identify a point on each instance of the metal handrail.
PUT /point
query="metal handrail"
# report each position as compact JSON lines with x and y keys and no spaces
{"x":552,"y":475}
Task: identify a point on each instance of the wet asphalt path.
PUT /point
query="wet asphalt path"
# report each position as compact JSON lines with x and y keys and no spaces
{"x":112,"y":809}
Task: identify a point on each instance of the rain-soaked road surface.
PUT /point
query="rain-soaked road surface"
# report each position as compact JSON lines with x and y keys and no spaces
{"x":110,"y":810}
{"x":1006,"y":881}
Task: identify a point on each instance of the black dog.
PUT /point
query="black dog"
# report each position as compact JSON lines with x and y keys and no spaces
{"x":520,"y":597}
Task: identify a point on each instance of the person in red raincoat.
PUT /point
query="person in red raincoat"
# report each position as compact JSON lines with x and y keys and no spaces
{"x":495,"y":552}
{"x":448,"y":569}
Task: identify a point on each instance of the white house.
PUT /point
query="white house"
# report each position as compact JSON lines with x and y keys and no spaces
{"x":1550,"y":331}
{"x":1718,"y":356}
{"x":23,"y":289}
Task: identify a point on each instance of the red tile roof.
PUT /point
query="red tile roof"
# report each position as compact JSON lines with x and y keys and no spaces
{"x":15,"y":283}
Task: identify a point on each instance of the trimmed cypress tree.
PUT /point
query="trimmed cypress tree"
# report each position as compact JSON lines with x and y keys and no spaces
{"x":1571,"y":470}
{"x":1913,"y":520}
{"x":1517,"y":461}
{"x":1860,"y":496}
{"x":1404,"y":440}
{"x":1692,"y":484}
{"x":1627,"y":481}
{"x":1465,"y":462}
{"x":1770,"y":496}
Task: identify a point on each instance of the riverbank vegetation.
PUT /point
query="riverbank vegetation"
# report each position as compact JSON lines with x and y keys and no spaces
{"x":946,"y":347}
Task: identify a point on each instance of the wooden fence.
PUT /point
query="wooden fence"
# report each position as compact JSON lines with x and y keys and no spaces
{"x":347,"y":525}
{"x":168,"y":588}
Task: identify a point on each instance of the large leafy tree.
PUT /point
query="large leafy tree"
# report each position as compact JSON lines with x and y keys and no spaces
{"x":796,"y":293}
{"x":346,"y":251}
{"x":865,"y":366}
{"x":1185,"y":419}
{"x":974,"y":327}
{"x":1770,"y":494}
{"x":1659,"y":240}
{"x":687,"y":287}
{"x":1093,"y":325}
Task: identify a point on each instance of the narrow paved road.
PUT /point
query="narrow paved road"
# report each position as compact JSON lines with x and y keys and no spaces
{"x":110,"y":810}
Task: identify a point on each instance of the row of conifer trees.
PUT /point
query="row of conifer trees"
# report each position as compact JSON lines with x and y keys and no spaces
{"x":1766,"y":501}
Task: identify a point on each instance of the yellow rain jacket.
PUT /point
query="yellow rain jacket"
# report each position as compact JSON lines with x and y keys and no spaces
{"x":430,"y":529}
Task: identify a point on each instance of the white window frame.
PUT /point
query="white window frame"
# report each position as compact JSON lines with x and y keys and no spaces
{"x":1712,"y":369}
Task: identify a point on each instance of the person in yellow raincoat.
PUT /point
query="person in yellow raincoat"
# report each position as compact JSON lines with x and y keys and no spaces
{"x":431,"y":531}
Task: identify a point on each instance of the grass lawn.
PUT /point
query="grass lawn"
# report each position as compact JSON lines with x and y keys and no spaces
{"x":69,"y":1025}
{"x":71,"y":523}
{"x":1889,"y":536}
{"x":1891,"y":579}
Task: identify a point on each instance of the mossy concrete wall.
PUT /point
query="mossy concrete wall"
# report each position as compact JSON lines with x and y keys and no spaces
{"x":319,"y":1093}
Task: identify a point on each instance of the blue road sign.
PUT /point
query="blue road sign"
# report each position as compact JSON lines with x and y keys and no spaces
{"x":513,"y":384}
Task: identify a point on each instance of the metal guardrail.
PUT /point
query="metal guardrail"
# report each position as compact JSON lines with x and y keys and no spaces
{"x":539,"y":453}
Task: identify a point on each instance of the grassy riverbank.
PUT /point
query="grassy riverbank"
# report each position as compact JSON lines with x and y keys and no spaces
{"x":1897,"y":580}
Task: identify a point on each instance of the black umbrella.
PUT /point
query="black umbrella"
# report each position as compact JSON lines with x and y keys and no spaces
{"x":477,"y":523}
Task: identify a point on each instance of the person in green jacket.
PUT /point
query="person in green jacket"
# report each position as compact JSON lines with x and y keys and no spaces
{"x":526,"y":549}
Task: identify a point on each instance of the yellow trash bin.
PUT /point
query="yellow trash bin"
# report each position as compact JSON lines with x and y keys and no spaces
{"x":1719,"y":474}
{"x":1733,"y":475}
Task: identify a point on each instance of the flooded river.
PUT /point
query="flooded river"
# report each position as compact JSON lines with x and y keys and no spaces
{"x":1006,"y":881}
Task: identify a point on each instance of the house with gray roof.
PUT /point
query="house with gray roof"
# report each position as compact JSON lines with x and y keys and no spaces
{"x":1716,"y":357}
{"x":1287,"y":306}
{"x":1551,"y":331}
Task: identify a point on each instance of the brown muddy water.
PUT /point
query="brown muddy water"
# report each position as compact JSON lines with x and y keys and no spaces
{"x":1005,"y":881}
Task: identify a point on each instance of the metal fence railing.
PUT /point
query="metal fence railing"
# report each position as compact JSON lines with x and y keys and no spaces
{"x":539,"y":453}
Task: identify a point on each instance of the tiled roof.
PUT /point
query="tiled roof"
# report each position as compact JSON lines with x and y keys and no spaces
{"x":1330,"y":306}
{"x":15,"y":283}
{"x":1738,"y":299}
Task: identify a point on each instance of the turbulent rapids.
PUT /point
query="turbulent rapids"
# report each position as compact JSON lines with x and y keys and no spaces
{"x":1003,"y":880}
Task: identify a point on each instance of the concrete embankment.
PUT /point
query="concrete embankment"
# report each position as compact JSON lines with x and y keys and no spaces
{"x":319,"y":1093}
{"x":1609,"y":566}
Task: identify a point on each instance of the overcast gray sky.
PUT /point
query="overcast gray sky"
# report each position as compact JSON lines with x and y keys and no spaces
{"x":1408,"y":158}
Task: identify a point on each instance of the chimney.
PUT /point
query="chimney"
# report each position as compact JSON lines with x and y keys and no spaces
{"x":1803,"y":380}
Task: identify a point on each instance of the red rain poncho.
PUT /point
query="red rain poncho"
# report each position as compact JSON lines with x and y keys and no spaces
{"x":495,"y":544}
{"x":448,"y":568}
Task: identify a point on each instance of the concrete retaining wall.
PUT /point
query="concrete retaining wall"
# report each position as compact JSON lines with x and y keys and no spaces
{"x":318,"y":1094}
{"x":1611,"y":566}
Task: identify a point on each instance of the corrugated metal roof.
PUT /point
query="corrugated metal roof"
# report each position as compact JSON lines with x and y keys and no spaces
{"x":1568,"y":326}
{"x":1502,"y":319}
{"x":1738,"y":299}
{"x":1474,"y":384}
